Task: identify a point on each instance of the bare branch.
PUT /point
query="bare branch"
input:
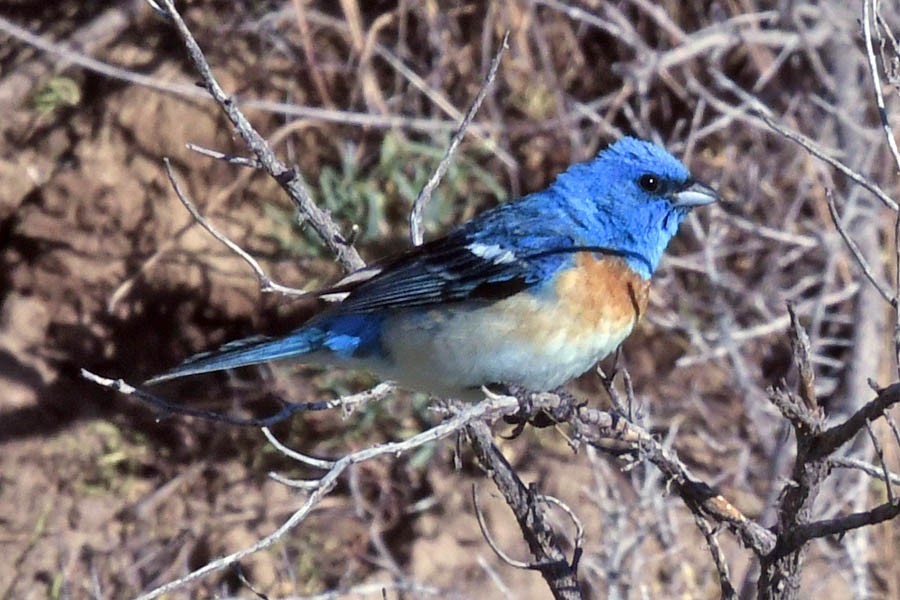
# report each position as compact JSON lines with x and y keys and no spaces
{"x":814,"y":149}
{"x":868,"y":8}
{"x":897,"y":292}
{"x":167,"y":409}
{"x":189,"y":90}
{"x":579,"y":527}
{"x":831,"y":439}
{"x":802,"y":352}
{"x":879,"y":452}
{"x":289,"y":179}
{"x":894,"y":429}
{"x":800,"y":535}
{"x":489,"y":409}
{"x":762,"y":112}
{"x":549,"y":558}
{"x":318,"y":463}
{"x":865,"y":467}
{"x":770,"y":327}
{"x":231,"y":159}
{"x":486,"y":534}
{"x":594,"y":426}
{"x":718,"y":556}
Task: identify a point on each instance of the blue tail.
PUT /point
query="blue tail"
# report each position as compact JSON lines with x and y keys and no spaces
{"x":342,"y":336}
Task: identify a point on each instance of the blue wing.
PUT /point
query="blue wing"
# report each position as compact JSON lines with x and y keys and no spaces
{"x":444,"y":270}
{"x":451,"y":269}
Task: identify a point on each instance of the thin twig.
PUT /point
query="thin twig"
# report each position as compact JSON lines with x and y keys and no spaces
{"x":857,"y":253}
{"x":866,"y":467}
{"x":485,"y":134}
{"x":814,"y":149}
{"x":762,"y":112}
{"x":894,"y":429}
{"x":266,"y":284}
{"x":770,"y":327}
{"x":486,"y":534}
{"x":579,"y":527}
{"x":609,"y":384}
{"x":168,"y":409}
{"x":896,"y":299}
{"x":879,"y":452}
{"x":416,"y":231}
{"x":301,"y":484}
{"x":550,"y":560}
{"x":189,"y":90}
{"x":318,"y":463}
{"x":718,"y":556}
{"x":868,"y":7}
{"x":19,"y":80}
{"x":231,"y":159}
{"x":444,"y":103}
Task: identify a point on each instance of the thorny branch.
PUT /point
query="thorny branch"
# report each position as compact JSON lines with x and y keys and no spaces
{"x":780,"y":567}
{"x":594,"y":426}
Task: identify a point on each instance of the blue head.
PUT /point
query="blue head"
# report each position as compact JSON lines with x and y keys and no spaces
{"x":632,"y":197}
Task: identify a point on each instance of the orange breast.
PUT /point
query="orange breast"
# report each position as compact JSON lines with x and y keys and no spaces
{"x":603,"y":291}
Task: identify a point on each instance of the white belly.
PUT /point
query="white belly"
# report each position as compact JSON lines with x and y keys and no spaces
{"x":454,"y":351}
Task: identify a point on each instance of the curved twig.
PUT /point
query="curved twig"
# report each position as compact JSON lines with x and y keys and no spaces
{"x":266,"y":284}
{"x":518,"y":564}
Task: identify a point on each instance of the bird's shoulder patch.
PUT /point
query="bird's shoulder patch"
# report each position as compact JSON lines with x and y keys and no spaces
{"x":493,"y":253}
{"x":603,"y":289}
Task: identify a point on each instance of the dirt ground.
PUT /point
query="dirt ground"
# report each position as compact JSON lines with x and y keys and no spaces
{"x":101,"y":268}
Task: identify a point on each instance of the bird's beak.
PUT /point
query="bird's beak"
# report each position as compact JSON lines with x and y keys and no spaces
{"x":693,"y":194}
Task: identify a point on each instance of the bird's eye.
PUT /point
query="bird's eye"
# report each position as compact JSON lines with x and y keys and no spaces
{"x":649,"y":183}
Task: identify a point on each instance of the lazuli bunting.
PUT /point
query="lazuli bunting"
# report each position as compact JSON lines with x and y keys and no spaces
{"x":533,"y":292}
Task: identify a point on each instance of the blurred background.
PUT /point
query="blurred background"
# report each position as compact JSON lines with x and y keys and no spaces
{"x":101,"y":268}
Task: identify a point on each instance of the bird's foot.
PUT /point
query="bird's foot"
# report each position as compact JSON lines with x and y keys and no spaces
{"x":529,"y":413}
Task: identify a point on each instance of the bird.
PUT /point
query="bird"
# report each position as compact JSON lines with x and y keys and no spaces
{"x":531,"y":293}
